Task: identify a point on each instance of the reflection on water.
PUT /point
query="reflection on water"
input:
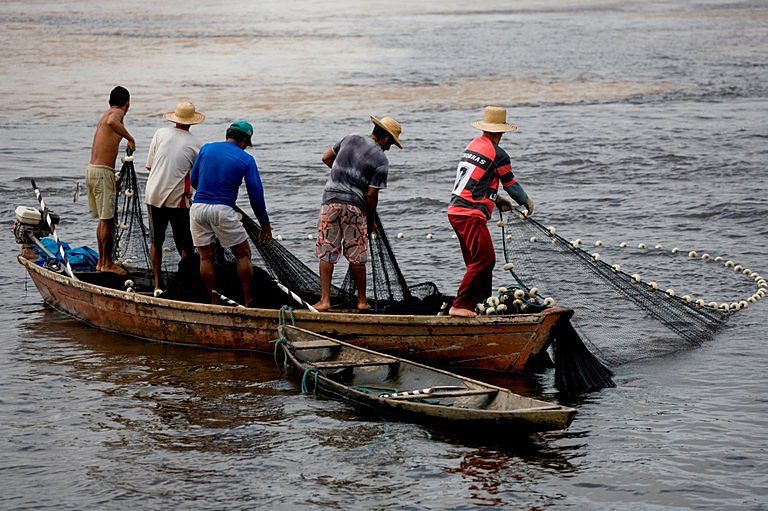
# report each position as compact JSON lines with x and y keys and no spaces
{"x":159,"y":402}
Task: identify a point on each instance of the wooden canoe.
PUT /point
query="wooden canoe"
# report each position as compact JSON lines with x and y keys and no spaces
{"x":399,"y":388}
{"x":495,"y":343}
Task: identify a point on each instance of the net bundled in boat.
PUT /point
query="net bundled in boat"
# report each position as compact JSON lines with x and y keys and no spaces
{"x":387,"y":288}
{"x":131,"y":245}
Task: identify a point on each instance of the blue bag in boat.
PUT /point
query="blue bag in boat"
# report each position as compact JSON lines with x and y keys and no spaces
{"x":80,"y":259}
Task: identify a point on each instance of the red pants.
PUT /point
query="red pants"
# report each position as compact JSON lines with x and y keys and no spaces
{"x":480,"y":258}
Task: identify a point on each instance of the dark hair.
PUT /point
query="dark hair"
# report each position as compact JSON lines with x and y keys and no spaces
{"x":119,"y":96}
{"x":380,"y":132}
{"x":238,"y":136}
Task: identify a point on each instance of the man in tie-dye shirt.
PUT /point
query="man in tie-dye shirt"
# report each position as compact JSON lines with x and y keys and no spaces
{"x":359,"y":170}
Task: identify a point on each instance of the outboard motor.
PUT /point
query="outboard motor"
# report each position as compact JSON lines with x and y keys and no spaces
{"x":29,"y":227}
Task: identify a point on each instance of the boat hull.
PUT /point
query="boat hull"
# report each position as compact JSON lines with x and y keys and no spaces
{"x":497,"y":343}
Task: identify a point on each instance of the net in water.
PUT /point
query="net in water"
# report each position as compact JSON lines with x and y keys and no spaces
{"x":620,"y":317}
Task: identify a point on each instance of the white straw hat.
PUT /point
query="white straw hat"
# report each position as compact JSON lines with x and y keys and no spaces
{"x":494,"y":120}
{"x":185,"y":114}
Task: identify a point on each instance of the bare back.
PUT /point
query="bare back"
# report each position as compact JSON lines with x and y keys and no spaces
{"x":106,"y":140}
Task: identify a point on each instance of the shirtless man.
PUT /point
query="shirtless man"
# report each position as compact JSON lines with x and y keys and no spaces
{"x":100,"y":174}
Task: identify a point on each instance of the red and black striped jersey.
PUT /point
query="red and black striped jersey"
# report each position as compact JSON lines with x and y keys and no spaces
{"x":483,"y":165}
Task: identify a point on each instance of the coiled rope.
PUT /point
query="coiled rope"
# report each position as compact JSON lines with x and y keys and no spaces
{"x":309,"y":372}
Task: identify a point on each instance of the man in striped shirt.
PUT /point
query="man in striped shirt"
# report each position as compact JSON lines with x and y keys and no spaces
{"x":482,"y":167}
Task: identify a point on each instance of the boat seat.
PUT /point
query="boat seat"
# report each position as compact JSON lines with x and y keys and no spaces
{"x":313,"y":345}
{"x":336,"y":364}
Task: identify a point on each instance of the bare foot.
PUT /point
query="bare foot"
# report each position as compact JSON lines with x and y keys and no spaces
{"x":322,"y":306}
{"x":363,"y":306}
{"x":113,"y":268}
{"x":461,"y":313}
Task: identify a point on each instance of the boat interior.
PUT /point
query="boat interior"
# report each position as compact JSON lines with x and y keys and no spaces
{"x":186,"y":285}
{"x":380,"y":375}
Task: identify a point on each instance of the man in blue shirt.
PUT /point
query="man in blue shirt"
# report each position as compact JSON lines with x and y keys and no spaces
{"x":217,"y":175}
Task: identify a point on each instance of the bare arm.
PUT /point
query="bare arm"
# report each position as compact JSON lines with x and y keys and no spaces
{"x":115,"y":122}
{"x":329,"y":157}
{"x":372,"y":200}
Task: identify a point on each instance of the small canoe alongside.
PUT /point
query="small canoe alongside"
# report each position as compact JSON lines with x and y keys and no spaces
{"x":400,"y":388}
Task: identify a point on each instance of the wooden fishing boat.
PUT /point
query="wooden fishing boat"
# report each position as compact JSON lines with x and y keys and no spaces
{"x":397,"y":387}
{"x":495,"y":343}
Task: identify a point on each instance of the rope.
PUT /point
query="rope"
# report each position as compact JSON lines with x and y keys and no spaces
{"x":278,"y":343}
{"x":313,"y":372}
{"x":370,"y":389}
{"x":286,"y":309}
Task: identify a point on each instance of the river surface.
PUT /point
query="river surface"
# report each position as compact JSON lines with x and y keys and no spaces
{"x":639,"y":121}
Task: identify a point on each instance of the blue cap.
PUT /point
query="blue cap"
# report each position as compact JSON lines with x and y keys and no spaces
{"x":243,"y":127}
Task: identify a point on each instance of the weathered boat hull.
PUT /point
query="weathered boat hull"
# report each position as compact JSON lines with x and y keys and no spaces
{"x":405,"y":390}
{"x":498,"y":343}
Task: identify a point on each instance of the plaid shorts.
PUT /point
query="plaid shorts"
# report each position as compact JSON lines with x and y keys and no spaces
{"x":342,"y":224}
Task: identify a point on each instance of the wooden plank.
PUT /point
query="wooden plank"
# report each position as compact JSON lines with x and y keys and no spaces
{"x":443,"y":394}
{"x":313,"y":345}
{"x":335,"y":364}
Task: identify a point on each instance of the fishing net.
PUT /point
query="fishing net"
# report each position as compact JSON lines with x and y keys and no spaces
{"x":131,"y":245}
{"x":620,"y":316}
{"x":387,"y":288}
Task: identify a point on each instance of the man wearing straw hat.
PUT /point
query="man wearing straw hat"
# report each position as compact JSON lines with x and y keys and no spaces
{"x":171,"y":155}
{"x":482,"y":167}
{"x":359,"y":170}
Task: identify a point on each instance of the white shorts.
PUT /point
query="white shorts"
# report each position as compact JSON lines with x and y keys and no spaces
{"x":215,"y":221}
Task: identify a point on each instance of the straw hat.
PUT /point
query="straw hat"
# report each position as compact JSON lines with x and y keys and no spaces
{"x":185,"y":114}
{"x":494,"y":120}
{"x":391,"y":126}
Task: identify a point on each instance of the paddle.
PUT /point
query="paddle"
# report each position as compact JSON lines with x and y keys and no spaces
{"x":49,"y":221}
{"x":226,"y":300}
{"x":294,"y":296}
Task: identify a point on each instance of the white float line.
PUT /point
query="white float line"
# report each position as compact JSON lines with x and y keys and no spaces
{"x":762,"y":286}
